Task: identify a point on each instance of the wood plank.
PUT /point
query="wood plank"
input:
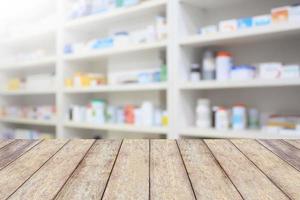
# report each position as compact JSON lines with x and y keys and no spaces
{"x":130,"y":176}
{"x":285,"y":151}
{"x":168,"y":177}
{"x":295,"y":143}
{"x":208,"y":179}
{"x":281,"y":173}
{"x":3,"y":143}
{"x":14,"y":150}
{"x":14,"y":175}
{"x":46,"y":182}
{"x":248,"y":179}
{"x":90,"y":178}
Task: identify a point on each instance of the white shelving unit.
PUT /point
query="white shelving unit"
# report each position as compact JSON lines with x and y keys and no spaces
{"x":182,"y":47}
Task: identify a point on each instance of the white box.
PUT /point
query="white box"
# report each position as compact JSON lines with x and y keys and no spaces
{"x":290,"y":71}
{"x":270,"y":70}
{"x":228,"y":26}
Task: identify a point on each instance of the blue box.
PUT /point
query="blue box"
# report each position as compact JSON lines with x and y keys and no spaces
{"x":245,"y":23}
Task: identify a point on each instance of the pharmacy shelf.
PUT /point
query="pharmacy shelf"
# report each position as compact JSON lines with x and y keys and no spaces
{"x":117,"y":128}
{"x":35,"y":36}
{"x":27,"y":121}
{"x":89,"y":22}
{"x":247,"y":134}
{"x":119,"y":88}
{"x":28,"y":92}
{"x":244,"y":36}
{"x":210,"y":85}
{"x":208,"y":4}
{"x":102,"y":53}
{"x":40,"y":63}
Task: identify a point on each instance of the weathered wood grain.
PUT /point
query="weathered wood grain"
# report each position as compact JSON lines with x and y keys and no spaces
{"x":90,"y":178}
{"x":208,"y":179}
{"x":168,"y":177}
{"x":248,"y":179}
{"x":46,"y":183}
{"x":20,"y":170}
{"x":12,"y":151}
{"x":4,"y":143}
{"x":285,"y":151}
{"x":281,"y":173}
{"x":130,"y":175}
{"x":295,"y":143}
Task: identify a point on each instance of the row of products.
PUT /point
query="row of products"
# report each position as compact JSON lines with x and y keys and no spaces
{"x":25,"y":134}
{"x":45,"y":112}
{"x":37,"y":54}
{"x":32,"y":82}
{"x":145,"y":76}
{"x":221,"y":118}
{"x":279,"y":123}
{"x":220,"y":66}
{"x":80,"y":79}
{"x":82,"y":8}
{"x":278,"y":16}
{"x":92,"y":80}
{"x":152,"y":33}
{"x":99,"y":112}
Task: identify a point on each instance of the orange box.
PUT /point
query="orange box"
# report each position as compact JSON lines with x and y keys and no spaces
{"x":280,"y":14}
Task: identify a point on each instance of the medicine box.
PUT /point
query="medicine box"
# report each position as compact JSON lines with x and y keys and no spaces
{"x":294,"y":13}
{"x":262,"y":20}
{"x":280,"y":14}
{"x":228,"y":26}
{"x":290,"y":71}
{"x":207,"y":30}
{"x":245,"y":23}
{"x":270,"y":70}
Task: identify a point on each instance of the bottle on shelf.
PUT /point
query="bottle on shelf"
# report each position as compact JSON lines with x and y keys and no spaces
{"x":208,"y":66}
{"x":195,"y":75}
{"x":223,"y":65}
{"x":203,"y":114}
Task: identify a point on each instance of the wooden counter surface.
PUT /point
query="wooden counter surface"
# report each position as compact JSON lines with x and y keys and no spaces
{"x":150,"y":169}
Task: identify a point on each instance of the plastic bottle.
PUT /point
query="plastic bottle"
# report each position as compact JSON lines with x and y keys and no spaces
{"x":239,"y":117}
{"x":222,"y":119}
{"x":203,"y":114}
{"x":195,"y":75}
{"x":224,"y":64}
{"x":208,"y":66}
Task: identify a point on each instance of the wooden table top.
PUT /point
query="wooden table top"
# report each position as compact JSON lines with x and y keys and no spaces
{"x":150,"y":169}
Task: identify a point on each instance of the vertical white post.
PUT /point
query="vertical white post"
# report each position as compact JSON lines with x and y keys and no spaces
{"x":173,"y":62}
{"x":59,"y":69}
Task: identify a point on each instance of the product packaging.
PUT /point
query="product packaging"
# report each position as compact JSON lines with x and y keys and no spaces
{"x":228,"y":26}
{"x":245,"y":23}
{"x":262,"y":20}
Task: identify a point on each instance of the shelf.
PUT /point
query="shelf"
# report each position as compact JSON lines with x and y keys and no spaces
{"x":27,"y":92}
{"x":244,"y":36}
{"x":250,"y":134}
{"x":92,"y":21}
{"x":36,"y":36}
{"x":27,"y":121}
{"x":119,"y":88}
{"x":208,"y":4}
{"x":44,"y":62}
{"x":97,"y":54}
{"x":117,"y":127}
{"x":210,"y":85}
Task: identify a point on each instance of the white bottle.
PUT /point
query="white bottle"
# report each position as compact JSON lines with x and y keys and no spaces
{"x":195,"y":75}
{"x":147,"y":110}
{"x":239,"y":117}
{"x":208,"y":66}
{"x":224,"y":64}
{"x":203,"y":114}
{"x":222,"y":119}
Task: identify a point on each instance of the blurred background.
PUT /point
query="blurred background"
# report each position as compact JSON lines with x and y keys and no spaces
{"x":150,"y":69}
